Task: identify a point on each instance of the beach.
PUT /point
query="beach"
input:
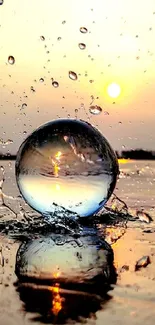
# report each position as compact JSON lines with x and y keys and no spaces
{"x":133,"y":295}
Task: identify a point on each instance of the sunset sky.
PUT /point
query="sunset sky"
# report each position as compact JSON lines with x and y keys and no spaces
{"x":120,"y":48}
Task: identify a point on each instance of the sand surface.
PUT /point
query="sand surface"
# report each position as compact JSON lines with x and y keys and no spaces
{"x":133,"y":297}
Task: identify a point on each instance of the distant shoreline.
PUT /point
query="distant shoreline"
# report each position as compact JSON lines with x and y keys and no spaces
{"x":138,"y":154}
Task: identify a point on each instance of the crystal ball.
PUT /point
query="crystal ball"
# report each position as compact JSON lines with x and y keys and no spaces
{"x":66,"y":163}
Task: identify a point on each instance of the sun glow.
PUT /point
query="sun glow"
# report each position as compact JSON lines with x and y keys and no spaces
{"x":114,"y":90}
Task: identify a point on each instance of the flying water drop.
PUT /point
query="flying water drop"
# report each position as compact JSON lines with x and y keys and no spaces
{"x":66,"y":165}
{"x":95,"y":109}
{"x":83,"y":30}
{"x":24,"y":105}
{"x":55,"y":84}
{"x":11,"y":59}
{"x":82,"y":46}
{"x":72,"y":75}
{"x":41,"y":80}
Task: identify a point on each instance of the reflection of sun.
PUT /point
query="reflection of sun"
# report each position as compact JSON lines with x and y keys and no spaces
{"x":57,"y":300}
{"x":114,"y":90}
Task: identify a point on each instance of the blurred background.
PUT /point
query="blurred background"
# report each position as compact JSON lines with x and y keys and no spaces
{"x":60,"y":58}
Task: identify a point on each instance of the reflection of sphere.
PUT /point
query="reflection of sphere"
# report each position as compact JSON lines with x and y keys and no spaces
{"x":66,"y":163}
{"x":65,"y":259}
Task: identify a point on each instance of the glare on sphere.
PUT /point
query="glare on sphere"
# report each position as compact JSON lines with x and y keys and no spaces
{"x":66,"y":163}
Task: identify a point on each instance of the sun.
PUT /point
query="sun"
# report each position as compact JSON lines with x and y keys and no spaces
{"x":114,"y":90}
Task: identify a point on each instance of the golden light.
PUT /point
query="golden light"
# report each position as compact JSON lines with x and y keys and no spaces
{"x":58,"y":155}
{"x":114,"y":90}
{"x":57,"y":300}
{"x":56,"y":168}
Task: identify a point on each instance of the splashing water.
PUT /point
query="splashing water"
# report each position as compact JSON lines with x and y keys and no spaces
{"x":66,"y":164}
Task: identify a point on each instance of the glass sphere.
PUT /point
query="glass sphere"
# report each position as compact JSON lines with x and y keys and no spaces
{"x":66,"y":163}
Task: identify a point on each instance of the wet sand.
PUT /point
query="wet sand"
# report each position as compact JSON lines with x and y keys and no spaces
{"x":133,"y":296}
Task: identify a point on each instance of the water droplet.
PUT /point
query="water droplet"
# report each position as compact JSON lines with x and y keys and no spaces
{"x":106,"y":113}
{"x":32,"y":89}
{"x":68,"y":164}
{"x":24,"y":105}
{"x":72,"y":75}
{"x":41,"y":80}
{"x":82,"y":46}
{"x":95,"y":109}
{"x":1,"y":2}
{"x":11,"y":59}
{"x":91,"y":81}
{"x":55,"y":84}
{"x":9,"y":141}
{"x":64,"y":22}
{"x":2,"y":168}
{"x":59,"y":38}
{"x":76,"y":110}
{"x":83,"y":30}
{"x":42,"y":38}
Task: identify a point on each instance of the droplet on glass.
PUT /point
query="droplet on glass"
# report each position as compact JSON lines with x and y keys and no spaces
{"x":1,"y":2}
{"x":59,"y":38}
{"x":95,"y":109}
{"x":83,"y":30}
{"x":82,"y":46}
{"x":11,"y":59}
{"x":64,"y":22}
{"x":55,"y":84}
{"x":41,"y":80}
{"x":42,"y":38}
{"x":66,"y":163}
{"x":24,"y":105}
{"x":72,"y":75}
{"x":106,"y":113}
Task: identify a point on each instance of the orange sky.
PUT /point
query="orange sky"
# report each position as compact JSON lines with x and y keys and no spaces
{"x":120,"y":47}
